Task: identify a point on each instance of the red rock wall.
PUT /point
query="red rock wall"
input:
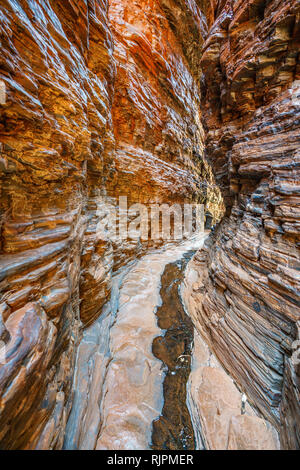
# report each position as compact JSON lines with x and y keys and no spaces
{"x":56,"y":143}
{"x":156,"y":108}
{"x":102,"y":103}
{"x":95,"y":106}
{"x":248,"y":301}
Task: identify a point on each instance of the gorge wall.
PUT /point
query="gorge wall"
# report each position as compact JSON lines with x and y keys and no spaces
{"x":145,"y":99}
{"x":245,"y":301}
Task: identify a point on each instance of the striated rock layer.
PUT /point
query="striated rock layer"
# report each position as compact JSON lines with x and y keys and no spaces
{"x":97,"y":103}
{"x":222,"y":417}
{"x":105,"y":98}
{"x":247,"y":293}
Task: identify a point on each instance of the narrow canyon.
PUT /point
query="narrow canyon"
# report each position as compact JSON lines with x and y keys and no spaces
{"x":113,"y":108}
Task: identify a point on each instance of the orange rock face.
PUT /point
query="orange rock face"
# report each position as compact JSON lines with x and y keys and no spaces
{"x":56,"y":140}
{"x":104,"y":98}
{"x":93,"y":103}
{"x":155,"y":112}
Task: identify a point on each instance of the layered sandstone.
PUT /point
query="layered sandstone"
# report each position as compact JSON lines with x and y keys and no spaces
{"x":95,"y":107}
{"x":108,"y":98}
{"x":222,"y":416}
{"x":159,"y":152}
{"x":56,"y":140}
{"x":247,"y":293}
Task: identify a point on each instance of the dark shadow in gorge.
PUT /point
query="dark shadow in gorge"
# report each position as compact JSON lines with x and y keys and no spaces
{"x":173,"y":430}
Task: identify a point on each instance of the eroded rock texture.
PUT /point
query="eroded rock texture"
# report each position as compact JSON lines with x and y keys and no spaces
{"x":221,"y":414}
{"x":247,"y":294}
{"x":56,"y":144}
{"x":105,"y":98}
{"x":98,"y":104}
{"x":156,"y":109}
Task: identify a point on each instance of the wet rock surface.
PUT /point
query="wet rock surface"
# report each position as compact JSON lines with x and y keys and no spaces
{"x":145,"y":380}
{"x":173,"y":430}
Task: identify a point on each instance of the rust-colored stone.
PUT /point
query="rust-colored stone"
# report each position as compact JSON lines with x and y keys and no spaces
{"x":248,"y":305}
